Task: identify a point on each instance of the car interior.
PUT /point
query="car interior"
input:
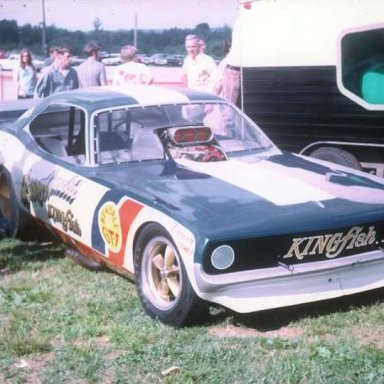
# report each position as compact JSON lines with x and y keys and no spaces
{"x":144,"y":133}
{"x":60,"y":130}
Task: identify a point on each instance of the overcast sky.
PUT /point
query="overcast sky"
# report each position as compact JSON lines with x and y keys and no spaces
{"x":119,"y":14}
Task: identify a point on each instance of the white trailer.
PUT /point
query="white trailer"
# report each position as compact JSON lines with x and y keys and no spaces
{"x":313,"y":76}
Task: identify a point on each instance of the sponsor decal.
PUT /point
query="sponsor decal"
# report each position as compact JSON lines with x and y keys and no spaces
{"x":40,"y":190}
{"x":65,"y":218}
{"x":333,"y":244}
{"x":114,"y":224}
{"x":184,"y":241}
{"x":110,"y":227}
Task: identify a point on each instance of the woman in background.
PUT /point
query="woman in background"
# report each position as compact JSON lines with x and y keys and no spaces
{"x":25,"y":76}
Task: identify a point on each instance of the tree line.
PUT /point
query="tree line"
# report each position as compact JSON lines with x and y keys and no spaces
{"x":14,"y":37}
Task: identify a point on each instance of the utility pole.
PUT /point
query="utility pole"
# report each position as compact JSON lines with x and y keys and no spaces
{"x":43,"y":31}
{"x":135,"y":30}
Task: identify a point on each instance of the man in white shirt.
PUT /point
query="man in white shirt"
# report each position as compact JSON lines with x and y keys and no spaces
{"x":199,"y":71}
{"x":131,"y":72}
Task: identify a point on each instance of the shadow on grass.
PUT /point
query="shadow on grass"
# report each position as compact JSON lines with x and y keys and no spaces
{"x":274,"y":319}
{"x":34,"y":244}
{"x":15,"y":255}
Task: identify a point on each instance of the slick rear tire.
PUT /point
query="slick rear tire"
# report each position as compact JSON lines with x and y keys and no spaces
{"x":337,"y":156}
{"x":161,"y":280}
{"x":9,"y":210}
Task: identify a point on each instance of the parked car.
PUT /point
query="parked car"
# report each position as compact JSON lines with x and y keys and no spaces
{"x":175,"y":60}
{"x":10,"y":62}
{"x":145,"y":59}
{"x":183,"y":192}
{"x":112,"y":59}
{"x":159,"y":59}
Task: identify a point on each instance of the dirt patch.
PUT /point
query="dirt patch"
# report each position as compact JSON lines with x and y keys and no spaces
{"x":287,"y":333}
{"x":369,"y":336}
{"x":102,"y":341}
{"x":99,"y":342}
{"x":33,"y":367}
{"x":372,"y":336}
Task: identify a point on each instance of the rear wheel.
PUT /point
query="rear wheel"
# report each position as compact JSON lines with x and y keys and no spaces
{"x":337,"y":156}
{"x":162,"y":282}
{"x":9,"y":211}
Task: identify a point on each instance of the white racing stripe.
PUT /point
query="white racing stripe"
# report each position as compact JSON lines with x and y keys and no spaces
{"x":268,"y":180}
{"x":147,"y":95}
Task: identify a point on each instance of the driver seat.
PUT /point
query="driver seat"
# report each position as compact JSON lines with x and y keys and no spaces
{"x":146,"y":146}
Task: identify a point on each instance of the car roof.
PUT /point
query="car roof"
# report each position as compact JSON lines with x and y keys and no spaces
{"x":96,"y":98}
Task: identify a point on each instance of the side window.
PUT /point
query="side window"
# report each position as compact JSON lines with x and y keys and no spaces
{"x":114,"y":132}
{"x":60,"y":130}
{"x":125,"y":135}
{"x":361,"y":67}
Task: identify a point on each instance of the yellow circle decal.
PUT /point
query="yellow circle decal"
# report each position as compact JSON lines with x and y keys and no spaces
{"x":109,"y":225}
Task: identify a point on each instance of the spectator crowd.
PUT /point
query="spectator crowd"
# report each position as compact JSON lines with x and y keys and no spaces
{"x":199,"y":71}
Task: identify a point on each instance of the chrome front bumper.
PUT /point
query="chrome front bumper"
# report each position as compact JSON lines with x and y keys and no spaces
{"x":281,"y":286}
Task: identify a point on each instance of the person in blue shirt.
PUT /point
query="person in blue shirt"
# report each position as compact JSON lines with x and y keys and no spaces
{"x":60,"y":76}
{"x":25,"y":76}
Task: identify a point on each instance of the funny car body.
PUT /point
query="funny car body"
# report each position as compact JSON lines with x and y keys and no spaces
{"x":185,"y":194}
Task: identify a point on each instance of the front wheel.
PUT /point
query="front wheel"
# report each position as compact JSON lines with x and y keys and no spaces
{"x":162,"y":282}
{"x":337,"y":156}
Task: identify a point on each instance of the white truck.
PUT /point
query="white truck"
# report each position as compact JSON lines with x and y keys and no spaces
{"x":313,"y":76}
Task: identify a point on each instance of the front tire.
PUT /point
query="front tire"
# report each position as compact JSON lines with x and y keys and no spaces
{"x":161,"y":280}
{"x":337,"y":156}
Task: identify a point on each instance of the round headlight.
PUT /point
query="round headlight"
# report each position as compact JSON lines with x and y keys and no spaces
{"x":223,"y":257}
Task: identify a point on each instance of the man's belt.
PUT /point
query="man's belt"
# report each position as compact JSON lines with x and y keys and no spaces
{"x":233,"y":67}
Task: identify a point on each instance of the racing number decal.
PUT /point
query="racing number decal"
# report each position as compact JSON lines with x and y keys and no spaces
{"x":114,"y":223}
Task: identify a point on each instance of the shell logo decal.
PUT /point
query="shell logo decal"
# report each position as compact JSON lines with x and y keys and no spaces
{"x":110,"y":227}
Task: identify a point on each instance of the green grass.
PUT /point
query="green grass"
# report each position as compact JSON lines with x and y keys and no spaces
{"x":60,"y":323}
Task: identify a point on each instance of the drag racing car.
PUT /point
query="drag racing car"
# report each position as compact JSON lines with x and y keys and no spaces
{"x":182,"y":192}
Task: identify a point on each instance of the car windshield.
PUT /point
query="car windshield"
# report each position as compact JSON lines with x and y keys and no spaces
{"x":172,"y":131}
